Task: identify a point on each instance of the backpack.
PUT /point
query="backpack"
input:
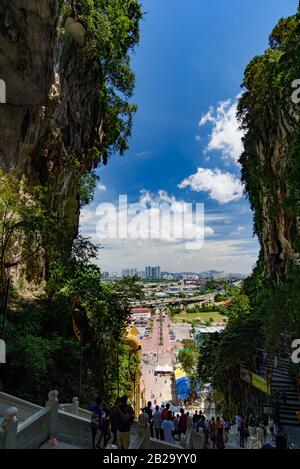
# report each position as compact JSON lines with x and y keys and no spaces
{"x":125,"y":425}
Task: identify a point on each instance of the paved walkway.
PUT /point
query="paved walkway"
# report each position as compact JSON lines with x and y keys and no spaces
{"x":158,"y":388}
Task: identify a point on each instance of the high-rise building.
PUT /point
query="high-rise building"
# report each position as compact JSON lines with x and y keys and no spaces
{"x":129,"y":272}
{"x":156,"y":273}
{"x":153,"y":273}
{"x":148,"y":273}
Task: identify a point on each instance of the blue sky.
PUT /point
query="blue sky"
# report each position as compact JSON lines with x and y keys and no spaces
{"x":189,"y":67}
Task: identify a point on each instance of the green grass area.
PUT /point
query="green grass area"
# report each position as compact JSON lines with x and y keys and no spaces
{"x":201,"y":317}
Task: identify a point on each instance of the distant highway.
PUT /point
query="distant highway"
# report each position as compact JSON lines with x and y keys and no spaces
{"x":174,"y":301}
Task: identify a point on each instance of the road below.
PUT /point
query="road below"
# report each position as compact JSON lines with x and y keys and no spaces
{"x":158,"y":353}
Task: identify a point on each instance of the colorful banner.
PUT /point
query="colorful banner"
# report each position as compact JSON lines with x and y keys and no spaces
{"x":259,"y":382}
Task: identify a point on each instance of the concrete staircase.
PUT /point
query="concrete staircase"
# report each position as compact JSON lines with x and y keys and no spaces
{"x":281,"y":381}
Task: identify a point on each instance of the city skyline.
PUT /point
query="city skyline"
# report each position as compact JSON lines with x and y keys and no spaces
{"x":142,"y":273}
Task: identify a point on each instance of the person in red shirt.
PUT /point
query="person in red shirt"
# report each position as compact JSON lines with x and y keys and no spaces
{"x":164,"y":413}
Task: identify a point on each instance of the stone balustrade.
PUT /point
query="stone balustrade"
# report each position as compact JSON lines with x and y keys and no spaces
{"x":68,"y":423}
{"x":198,"y":439}
{"x":140,"y":433}
{"x":74,"y":430}
{"x":25,"y":409}
{"x":34,"y":431}
{"x":75,"y":409}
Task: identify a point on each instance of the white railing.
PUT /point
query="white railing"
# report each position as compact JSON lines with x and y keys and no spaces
{"x":162,"y":445}
{"x":25,"y":409}
{"x":40,"y":424}
{"x":74,"y":429}
{"x":34,"y":431}
{"x":74,"y":409}
{"x":69,"y":423}
{"x":140,"y":433}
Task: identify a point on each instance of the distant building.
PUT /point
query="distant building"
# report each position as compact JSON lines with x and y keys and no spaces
{"x":140,"y":313}
{"x":114,"y":275}
{"x":190,"y":277}
{"x":148,"y":273}
{"x":219,"y":276}
{"x":105,"y":274}
{"x":153,"y":273}
{"x":168,"y":277}
{"x":129,"y":272}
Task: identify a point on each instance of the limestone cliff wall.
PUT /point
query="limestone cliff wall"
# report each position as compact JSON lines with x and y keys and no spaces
{"x":271,"y":161}
{"x":53,"y":117}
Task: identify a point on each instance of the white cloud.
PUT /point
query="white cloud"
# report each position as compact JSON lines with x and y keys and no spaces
{"x":160,"y":217}
{"x":101,"y":187}
{"x":160,"y":197}
{"x":241,"y":228}
{"x":221,"y":186}
{"x":231,"y":255}
{"x":197,"y":138}
{"x":226,"y":134}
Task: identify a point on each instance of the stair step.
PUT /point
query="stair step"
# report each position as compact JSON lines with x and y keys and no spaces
{"x":290,"y":410}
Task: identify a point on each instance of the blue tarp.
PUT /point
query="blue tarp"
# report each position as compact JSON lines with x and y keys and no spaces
{"x":183,"y":387}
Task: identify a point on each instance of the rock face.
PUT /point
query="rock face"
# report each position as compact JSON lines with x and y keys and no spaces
{"x":51,"y":85}
{"x":271,"y":161}
{"x":280,"y":226}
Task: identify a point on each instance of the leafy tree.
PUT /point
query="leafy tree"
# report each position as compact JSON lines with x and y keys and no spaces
{"x":188,"y":356}
{"x":112,"y":28}
{"x":22,"y":218}
{"x":101,"y":311}
{"x":207,"y":355}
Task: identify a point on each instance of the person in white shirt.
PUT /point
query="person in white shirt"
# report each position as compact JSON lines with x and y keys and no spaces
{"x":157,"y":420}
{"x":168,"y":428}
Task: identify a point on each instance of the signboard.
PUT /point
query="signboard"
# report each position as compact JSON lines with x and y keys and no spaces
{"x":2,"y":351}
{"x":259,"y":382}
{"x":246,"y":375}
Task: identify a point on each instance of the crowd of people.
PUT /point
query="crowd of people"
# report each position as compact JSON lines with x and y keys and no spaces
{"x":114,"y":425}
{"x":244,"y":425}
{"x":170,"y":426}
{"x":166,"y":425}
